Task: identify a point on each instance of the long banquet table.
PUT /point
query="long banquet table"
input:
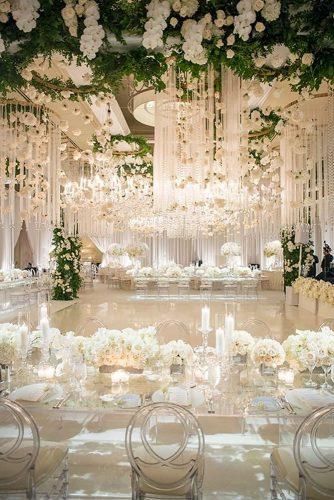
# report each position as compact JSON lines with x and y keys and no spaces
{"x":236,"y":434}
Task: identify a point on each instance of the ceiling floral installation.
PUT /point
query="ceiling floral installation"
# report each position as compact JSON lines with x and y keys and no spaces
{"x":266,"y":39}
{"x":30,"y":146}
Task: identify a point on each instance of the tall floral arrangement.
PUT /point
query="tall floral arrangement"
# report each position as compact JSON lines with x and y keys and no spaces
{"x":66,"y":276}
{"x":291,"y":256}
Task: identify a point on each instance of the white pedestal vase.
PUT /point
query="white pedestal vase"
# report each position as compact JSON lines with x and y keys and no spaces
{"x":308,"y":304}
{"x":291,"y":298}
{"x":325,"y":310}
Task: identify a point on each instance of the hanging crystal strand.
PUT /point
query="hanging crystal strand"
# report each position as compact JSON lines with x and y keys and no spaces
{"x":330,"y":163}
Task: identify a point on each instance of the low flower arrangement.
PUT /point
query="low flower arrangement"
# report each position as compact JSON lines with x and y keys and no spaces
{"x":126,"y":348}
{"x":177,"y":352}
{"x":14,"y":274}
{"x":9,"y":343}
{"x":268,"y":352}
{"x":304,"y":341}
{"x":242,"y":343}
{"x":314,"y":289}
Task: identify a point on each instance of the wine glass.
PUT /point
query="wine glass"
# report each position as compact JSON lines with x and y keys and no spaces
{"x":80,"y":374}
{"x":309,"y":358}
{"x":325,"y":362}
{"x":214,"y":377}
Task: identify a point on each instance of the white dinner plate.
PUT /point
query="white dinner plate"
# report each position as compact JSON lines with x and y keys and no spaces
{"x":41,"y":392}
{"x":265,"y":403}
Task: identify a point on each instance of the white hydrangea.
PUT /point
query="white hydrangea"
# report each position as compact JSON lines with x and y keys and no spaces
{"x":157,"y":13}
{"x":243,"y":22}
{"x":187,"y":7}
{"x":25,"y":13}
{"x":271,"y":10}
{"x":192,"y":32}
{"x":93,"y":34}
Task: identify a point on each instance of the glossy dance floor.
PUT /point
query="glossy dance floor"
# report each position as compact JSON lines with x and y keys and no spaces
{"x":237,"y":455}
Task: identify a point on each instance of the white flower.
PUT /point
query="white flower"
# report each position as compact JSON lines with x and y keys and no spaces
{"x":257,"y":5}
{"x":307,"y":59}
{"x":229,"y":53}
{"x":273,"y":248}
{"x":25,"y":13}
{"x":230,"y":249}
{"x":259,"y":27}
{"x":173,"y":21}
{"x":271,"y":10}
{"x":268,"y":352}
{"x":230,"y":39}
{"x":177,"y":352}
{"x":242,"y":343}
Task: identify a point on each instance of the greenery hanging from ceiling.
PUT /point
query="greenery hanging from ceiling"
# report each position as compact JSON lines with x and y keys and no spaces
{"x":266,"y":39}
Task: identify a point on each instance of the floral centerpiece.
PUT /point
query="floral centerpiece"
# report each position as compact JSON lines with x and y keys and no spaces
{"x":241,"y":345}
{"x":298,"y":346}
{"x":177,"y":354}
{"x":242,"y":271}
{"x":10,"y":343}
{"x":273,"y":249}
{"x":136,"y":251}
{"x":116,"y":250}
{"x":128,"y":348}
{"x":268,"y":354}
{"x":230,"y":249}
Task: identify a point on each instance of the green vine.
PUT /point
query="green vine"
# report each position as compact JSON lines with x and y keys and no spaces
{"x":303,"y":26}
{"x":66,"y":276}
{"x":143,"y":148}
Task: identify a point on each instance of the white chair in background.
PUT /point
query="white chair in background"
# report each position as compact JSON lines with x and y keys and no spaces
{"x":172,"y":329}
{"x":306,"y":470}
{"x":90,"y":326}
{"x":249,"y":288}
{"x":256,"y":327}
{"x":141,"y":287}
{"x":165,"y":446}
{"x":163,"y":287}
{"x":183,"y":286}
{"x":205,"y":289}
{"x":328,"y":322}
{"x":29,"y":468}
{"x":230,"y":288}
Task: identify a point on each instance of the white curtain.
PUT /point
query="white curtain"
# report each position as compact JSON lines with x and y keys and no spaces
{"x":40,"y":241}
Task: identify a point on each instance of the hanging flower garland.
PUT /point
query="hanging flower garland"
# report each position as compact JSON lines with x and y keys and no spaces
{"x":266,"y":39}
{"x":66,"y":277}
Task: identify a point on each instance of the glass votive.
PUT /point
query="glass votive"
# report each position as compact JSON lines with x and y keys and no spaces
{"x":119,"y":377}
{"x":286,"y":376}
{"x":46,"y":371}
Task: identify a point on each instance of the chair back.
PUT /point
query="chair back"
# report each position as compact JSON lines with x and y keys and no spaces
{"x":19,"y":446}
{"x":165,"y":446}
{"x":256,"y":327}
{"x":172,"y":329}
{"x":313,"y":450}
{"x":328,"y":322}
{"x":90,"y":326}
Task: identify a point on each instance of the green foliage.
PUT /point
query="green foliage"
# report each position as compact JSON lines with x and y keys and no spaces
{"x":66,"y":277}
{"x":291,"y":255}
{"x":140,"y":142}
{"x":304,"y":26}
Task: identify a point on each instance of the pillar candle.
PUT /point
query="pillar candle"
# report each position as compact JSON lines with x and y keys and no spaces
{"x":205,"y":318}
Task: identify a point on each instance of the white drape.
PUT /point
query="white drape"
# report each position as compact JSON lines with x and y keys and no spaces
{"x":40,"y":241}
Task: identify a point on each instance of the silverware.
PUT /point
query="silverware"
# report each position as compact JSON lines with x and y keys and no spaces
{"x":62,"y":401}
{"x":285,"y":404}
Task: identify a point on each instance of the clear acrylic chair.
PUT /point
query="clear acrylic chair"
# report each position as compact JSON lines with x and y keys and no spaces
{"x":306,"y":470}
{"x":256,"y":327}
{"x":328,"y":322}
{"x":165,"y":447}
{"x":205,"y":289}
{"x":249,"y":288}
{"x":172,"y":329}
{"x":163,"y":287}
{"x":141,"y":286}
{"x":90,"y":326}
{"x":230,"y":288}
{"x":183,"y":286}
{"x":29,"y":468}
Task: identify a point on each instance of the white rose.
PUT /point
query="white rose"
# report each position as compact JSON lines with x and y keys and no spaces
{"x":259,"y":27}
{"x":229,"y":53}
{"x":257,"y":5}
{"x":307,"y":59}
{"x":230,"y":40}
{"x":173,"y":21}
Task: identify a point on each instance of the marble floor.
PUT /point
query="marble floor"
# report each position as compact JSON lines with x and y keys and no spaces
{"x":237,"y":457}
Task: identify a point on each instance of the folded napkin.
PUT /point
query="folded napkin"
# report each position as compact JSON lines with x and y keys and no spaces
{"x":32,"y":392}
{"x":309,"y":398}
